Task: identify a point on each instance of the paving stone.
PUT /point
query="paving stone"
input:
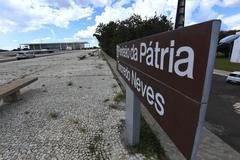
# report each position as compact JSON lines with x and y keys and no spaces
{"x":41,"y":125}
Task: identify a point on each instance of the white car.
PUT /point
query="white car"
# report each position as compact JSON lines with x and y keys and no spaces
{"x":234,"y":77}
{"x":24,"y":55}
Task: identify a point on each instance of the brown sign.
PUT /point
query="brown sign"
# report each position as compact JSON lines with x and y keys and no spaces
{"x":171,"y":73}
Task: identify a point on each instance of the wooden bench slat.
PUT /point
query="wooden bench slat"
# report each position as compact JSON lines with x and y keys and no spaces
{"x":8,"y":89}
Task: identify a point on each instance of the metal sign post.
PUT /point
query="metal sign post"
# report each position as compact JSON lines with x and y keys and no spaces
{"x":133,"y":112}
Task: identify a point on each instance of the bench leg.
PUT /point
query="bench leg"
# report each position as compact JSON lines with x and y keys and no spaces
{"x":13,"y":97}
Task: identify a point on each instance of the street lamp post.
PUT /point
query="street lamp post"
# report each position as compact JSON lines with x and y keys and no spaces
{"x":180,"y":15}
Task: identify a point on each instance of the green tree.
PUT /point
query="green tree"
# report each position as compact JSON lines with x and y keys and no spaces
{"x":109,"y":35}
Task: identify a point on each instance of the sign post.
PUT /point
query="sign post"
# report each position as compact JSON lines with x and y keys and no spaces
{"x":171,"y":74}
{"x":133,"y":112}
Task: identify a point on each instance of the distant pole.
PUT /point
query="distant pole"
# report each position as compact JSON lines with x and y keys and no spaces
{"x":180,"y":15}
{"x":40,"y":44}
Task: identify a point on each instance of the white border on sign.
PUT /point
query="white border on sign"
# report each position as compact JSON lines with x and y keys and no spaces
{"x":207,"y":85}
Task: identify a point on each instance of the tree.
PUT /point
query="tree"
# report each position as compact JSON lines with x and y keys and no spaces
{"x":109,"y":35}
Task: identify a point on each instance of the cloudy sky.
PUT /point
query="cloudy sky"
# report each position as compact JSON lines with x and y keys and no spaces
{"x":29,"y":21}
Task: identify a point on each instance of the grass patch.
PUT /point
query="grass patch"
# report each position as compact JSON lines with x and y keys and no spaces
{"x":116,"y":106}
{"x":75,"y":120}
{"x":114,"y":85}
{"x":26,"y":112}
{"x":92,"y":148}
{"x":54,"y":115}
{"x":119,"y":96}
{"x":101,"y":55}
{"x":223,"y":63}
{"x":83,"y":130}
{"x":106,"y":100}
{"x":81,"y":57}
{"x":98,"y":67}
{"x":70,"y":83}
{"x":97,"y":138}
{"x":149,"y":145}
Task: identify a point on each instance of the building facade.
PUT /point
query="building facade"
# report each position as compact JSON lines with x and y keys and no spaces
{"x":56,"y":46}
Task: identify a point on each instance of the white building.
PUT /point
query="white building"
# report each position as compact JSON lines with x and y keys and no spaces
{"x":56,"y":46}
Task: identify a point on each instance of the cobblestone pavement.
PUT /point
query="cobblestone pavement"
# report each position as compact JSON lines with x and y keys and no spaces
{"x":63,"y":115}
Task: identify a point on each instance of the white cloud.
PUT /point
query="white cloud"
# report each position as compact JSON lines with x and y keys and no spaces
{"x":233,"y":22}
{"x":41,"y":40}
{"x":70,"y":39}
{"x":87,"y":35}
{"x":84,"y":34}
{"x":27,"y":15}
{"x":31,"y":15}
{"x":114,"y":12}
{"x":230,"y":3}
{"x":196,"y":11}
{"x":67,"y":3}
{"x":117,"y":11}
{"x":95,"y":3}
{"x":52,"y":32}
{"x":6,"y":25}
{"x":89,"y":18}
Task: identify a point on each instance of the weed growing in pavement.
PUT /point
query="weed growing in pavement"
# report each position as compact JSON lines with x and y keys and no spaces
{"x":119,"y":96}
{"x":116,"y":106}
{"x":101,"y":130}
{"x":69,"y":83}
{"x":99,"y":65}
{"x":92,"y":148}
{"x":149,"y":145}
{"x":114,"y":85}
{"x":106,"y":100}
{"x":93,"y":145}
{"x":26,"y":112}
{"x":101,"y":55}
{"x":83,"y":130}
{"x":97,"y":138}
{"x":75,"y":120}
{"x":54,"y":115}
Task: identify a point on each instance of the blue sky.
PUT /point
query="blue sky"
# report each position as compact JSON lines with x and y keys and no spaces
{"x":29,"y":21}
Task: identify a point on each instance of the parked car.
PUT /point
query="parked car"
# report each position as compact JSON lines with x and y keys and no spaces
{"x":25,"y":55}
{"x":234,"y":77}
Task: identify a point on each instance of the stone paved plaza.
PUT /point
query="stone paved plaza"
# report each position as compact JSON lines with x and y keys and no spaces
{"x":63,"y":115}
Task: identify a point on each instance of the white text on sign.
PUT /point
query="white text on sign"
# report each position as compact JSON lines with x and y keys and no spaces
{"x":154,"y":56}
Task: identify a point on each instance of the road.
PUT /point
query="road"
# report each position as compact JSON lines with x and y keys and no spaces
{"x":4,"y":59}
{"x":221,"y":117}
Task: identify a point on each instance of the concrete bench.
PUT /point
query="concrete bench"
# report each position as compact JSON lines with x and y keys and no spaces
{"x":10,"y":92}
